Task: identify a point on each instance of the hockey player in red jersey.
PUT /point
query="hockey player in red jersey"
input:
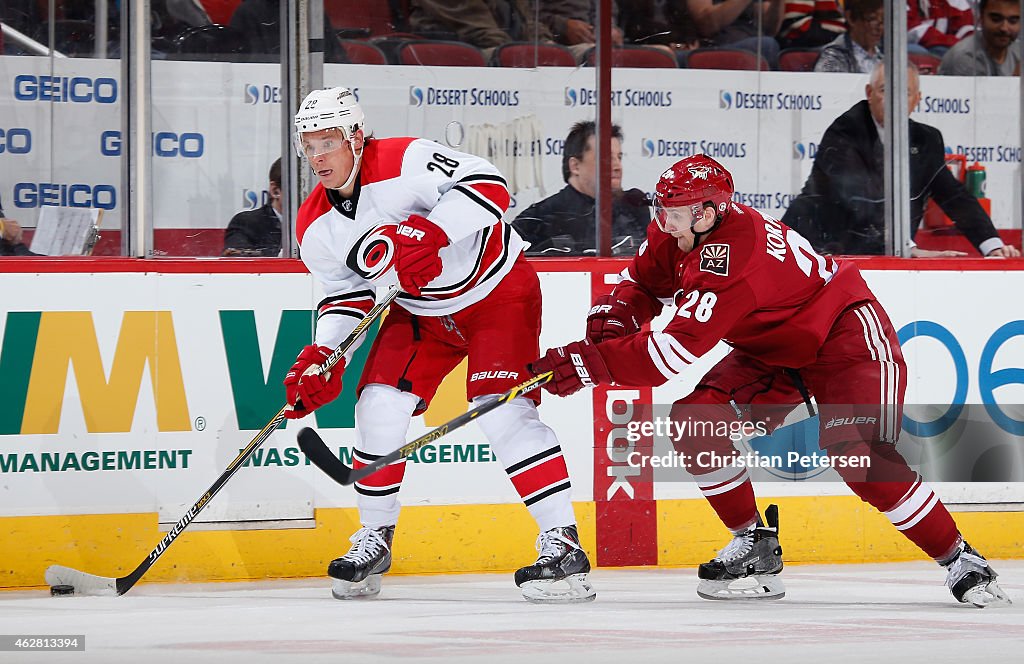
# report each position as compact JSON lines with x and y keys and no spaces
{"x":800,"y":324}
{"x":411,"y":212}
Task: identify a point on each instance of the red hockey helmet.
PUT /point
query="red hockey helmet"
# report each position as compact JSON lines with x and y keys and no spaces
{"x":695,"y":181}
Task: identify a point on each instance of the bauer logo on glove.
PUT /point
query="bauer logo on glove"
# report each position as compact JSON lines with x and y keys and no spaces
{"x":409,"y":231}
{"x":581,"y":369}
{"x":574,"y":367}
{"x":417,"y":242}
{"x":611,"y":318}
{"x":306,"y":389}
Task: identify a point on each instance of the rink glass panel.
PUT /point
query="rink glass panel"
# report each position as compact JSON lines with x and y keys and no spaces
{"x":217,"y":123}
{"x":61,"y":108}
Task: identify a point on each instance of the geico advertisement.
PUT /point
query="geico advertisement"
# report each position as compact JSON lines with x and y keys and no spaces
{"x":216,"y":128}
{"x":141,"y":398}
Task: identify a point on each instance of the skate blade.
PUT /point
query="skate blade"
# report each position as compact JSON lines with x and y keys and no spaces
{"x":988,"y":595}
{"x":573,"y":589}
{"x":765,"y":586}
{"x":368,"y":587}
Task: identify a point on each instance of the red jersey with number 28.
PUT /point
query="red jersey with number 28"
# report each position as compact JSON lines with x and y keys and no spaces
{"x":753,"y":282}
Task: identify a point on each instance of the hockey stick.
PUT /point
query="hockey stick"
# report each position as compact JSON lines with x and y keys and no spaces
{"x":91,"y":584}
{"x":313,"y":446}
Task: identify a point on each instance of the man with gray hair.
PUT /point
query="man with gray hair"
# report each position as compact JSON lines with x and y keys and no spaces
{"x":841,"y":207}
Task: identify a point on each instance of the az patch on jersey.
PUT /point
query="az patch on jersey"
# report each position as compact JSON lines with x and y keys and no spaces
{"x":714,"y":258}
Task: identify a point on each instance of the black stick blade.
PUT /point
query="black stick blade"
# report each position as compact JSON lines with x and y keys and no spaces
{"x":313,"y":446}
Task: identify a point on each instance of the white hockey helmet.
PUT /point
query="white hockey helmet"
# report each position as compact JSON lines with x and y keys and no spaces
{"x":329,"y":108}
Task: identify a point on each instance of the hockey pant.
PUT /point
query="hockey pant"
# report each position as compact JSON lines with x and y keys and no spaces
{"x":525,"y":446}
{"x":497,"y":336}
{"x":858,"y":381}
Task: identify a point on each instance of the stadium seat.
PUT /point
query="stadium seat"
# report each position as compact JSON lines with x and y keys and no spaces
{"x":72,"y":38}
{"x":798,"y":59}
{"x":220,"y":11}
{"x":528,"y":54}
{"x":440,"y":54}
{"x":640,"y":57}
{"x":726,"y":58}
{"x":926,"y":64}
{"x":363,"y":53}
{"x":391,"y":43}
{"x":377,"y":17}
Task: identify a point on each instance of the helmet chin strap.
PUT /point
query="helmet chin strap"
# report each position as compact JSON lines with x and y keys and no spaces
{"x":356,"y":160}
{"x":698,"y":236}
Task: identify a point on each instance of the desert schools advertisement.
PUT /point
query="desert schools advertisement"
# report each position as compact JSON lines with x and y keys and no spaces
{"x":765,"y":128}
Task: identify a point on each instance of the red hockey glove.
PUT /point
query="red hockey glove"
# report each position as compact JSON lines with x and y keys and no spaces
{"x":611,"y":318}
{"x":575,"y":366}
{"x":417,"y":242}
{"x":306,"y":391}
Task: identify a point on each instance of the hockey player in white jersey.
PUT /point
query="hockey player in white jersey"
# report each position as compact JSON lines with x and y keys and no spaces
{"x":416,"y":213}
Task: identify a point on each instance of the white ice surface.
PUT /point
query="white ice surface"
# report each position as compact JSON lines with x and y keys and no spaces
{"x":863,"y":614}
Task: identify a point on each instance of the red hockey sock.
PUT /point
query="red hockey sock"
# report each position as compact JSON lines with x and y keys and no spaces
{"x":916,"y":512}
{"x":731,"y":496}
{"x":898,"y":492}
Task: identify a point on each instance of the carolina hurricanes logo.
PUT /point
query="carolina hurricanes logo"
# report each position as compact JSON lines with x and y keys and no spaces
{"x":699,"y":172}
{"x":714,"y":258}
{"x":372,"y":254}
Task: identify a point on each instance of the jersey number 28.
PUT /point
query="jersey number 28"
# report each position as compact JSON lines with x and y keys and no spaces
{"x":446,"y":165}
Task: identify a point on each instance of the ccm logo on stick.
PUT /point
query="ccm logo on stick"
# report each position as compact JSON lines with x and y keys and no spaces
{"x":409,"y":231}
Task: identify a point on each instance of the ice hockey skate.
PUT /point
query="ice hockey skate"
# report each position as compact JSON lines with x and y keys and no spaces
{"x":973,"y":581}
{"x":357,"y":573}
{"x":748,"y":567}
{"x":560,"y":574}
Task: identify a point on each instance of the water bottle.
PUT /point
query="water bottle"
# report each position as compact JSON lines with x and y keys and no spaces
{"x":975,"y":180}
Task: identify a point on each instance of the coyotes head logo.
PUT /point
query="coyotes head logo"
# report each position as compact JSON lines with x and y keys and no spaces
{"x":699,"y":172}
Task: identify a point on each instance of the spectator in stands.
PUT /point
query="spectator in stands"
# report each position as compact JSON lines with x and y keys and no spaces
{"x":841,"y":207}
{"x":563,"y":224}
{"x":936,"y":25}
{"x":573,"y":23}
{"x":991,"y":51}
{"x":665,"y":24}
{"x":258,"y":232}
{"x":485,"y":24}
{"x":858,"y":49}
{"x":260,"y":21}
{"x":10,"y":238}
{"x":810,"y":23}
{"x":746,"y":24}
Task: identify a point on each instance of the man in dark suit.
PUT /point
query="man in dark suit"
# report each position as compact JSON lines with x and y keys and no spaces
{"x":841,"y":207}
{"x":563,"y":224}
{"x":258,"y":232}
{"x":10,"y":238}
